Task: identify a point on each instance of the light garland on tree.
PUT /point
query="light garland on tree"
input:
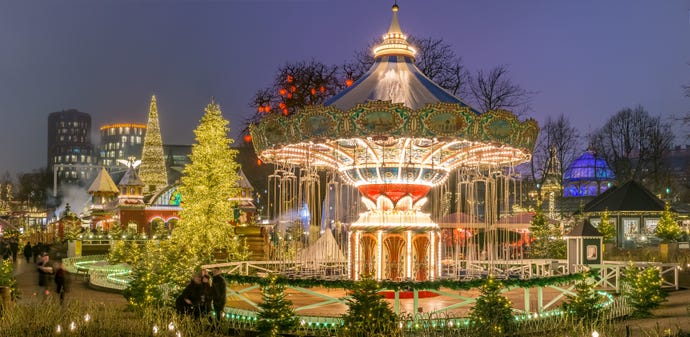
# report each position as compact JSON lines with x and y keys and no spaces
{"x":152,"y":170}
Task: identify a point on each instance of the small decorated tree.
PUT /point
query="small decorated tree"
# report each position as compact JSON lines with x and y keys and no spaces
{"x":586,"y":304}
{"x":642,"y":290}
{"x":547,"y":238}
{"x":115,"y":231}
{"x":7,"y":278}
{"x":606,"y":228}
{"x":668,"y":229}
{"x":368,"y":313}
{"x":492,"y":314}
{"x":276,"y":315}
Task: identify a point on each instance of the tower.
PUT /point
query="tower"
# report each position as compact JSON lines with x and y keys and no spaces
{"x":552,"y":182}
{"x":70,"y":152}
{"x":152,"y":170}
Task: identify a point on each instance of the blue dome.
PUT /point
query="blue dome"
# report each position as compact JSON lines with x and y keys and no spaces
{"x":587,"y":175}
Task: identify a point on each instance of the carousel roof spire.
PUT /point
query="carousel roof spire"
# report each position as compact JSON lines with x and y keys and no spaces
{"x":394,"y":42}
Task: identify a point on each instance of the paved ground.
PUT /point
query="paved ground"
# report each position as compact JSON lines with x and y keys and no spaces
{"x":27,"y":279}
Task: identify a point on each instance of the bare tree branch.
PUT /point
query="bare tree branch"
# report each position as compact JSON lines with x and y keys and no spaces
{"x":634,"y":144}
{"x":493,"y":89}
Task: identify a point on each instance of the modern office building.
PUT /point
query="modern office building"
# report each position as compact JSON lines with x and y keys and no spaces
{"x":120,"y":142}
{"x":70,"y":152}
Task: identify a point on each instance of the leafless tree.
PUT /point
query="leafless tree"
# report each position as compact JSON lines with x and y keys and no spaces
{"x":435,"y":58}
{"x":561,"y":136}
{"x":634,"y":144}
{"x":295,"y":85}
{"x":493,"y":89}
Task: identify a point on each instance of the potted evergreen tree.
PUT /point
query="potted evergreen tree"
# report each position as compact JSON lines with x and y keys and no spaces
{"x":668,"y":231}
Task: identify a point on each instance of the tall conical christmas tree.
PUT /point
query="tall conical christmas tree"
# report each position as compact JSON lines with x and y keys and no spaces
{"x":209,"y":181}
{"x":152,"y":169}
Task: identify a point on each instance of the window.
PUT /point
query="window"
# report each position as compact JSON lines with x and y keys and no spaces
{"x":650,"y":225}
{"x":631,"y":226}
{"x":595,"y":222}
{"x":591,"y":252}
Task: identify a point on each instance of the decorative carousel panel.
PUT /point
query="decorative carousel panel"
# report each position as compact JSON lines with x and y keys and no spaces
{"x":499,"y":126}
{"x":530,"y":131}
{"x":447,"y":120}
{"x":316,"y":123}
{"x":379,"y":118}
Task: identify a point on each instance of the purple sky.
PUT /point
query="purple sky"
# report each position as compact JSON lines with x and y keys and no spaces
{"x":586,"y":58}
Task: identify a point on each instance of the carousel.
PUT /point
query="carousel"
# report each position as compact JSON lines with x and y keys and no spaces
{"x":395,"y":135}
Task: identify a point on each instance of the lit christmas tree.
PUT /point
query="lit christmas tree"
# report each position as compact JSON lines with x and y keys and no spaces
{"x":276,"y":315}
{"x":586,"y":304}
{"x":668,"y":228}
{"x":492,"y":314}
{"x":152,"y":169}
{"x":209,"y":181}
{"x":547,"y":237}
{"x":368,"y":313}
{"x":606,"y":228}
{"x":642,"y":290}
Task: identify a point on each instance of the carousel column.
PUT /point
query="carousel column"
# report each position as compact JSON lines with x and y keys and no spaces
{"x":438,"y":255}
{"x":432,"y":255}
{"x":350,"y":255}
{"x":408,"y":256}
{"x":379,"y":255}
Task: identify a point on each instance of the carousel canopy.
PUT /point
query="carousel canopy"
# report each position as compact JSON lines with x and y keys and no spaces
{"x":394,"y":133}
{"x":394,"y":77}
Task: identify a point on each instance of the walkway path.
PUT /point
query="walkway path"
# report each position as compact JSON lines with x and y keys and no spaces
{"x":27,"y":280}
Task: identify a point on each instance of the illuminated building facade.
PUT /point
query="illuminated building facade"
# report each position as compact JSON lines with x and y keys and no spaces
{"x":70,"y":151}
{"x":119,"y":142}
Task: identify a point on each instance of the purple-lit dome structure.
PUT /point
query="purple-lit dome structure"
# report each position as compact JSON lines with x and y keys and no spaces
{"x":587,"y":176}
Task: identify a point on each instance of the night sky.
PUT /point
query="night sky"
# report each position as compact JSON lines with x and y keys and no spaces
{"x":586,"y":59}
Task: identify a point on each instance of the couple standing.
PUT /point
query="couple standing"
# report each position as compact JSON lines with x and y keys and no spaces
{"x":201,"y":294}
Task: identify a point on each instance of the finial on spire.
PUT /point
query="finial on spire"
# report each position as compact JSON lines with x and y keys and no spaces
{"x":394,"y":41}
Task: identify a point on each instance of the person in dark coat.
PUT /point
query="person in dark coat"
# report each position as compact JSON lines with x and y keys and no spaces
{"x":14,"y":248}
{"x":219,"y":293}
{"x":44,"y":272}
{"x":60,"y":281}
{"x":188,"y":302}
{"x":36,"y":251}
{"x":206,"y":295}
{"x":27,"y":251}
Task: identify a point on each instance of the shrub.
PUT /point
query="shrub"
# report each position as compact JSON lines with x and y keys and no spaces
{"x":642,"y":290}
{"x":492,"y":314}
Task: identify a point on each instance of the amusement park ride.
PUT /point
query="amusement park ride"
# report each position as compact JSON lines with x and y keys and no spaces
{"x":394,"y":135}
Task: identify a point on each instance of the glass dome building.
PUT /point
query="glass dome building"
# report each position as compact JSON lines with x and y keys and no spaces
{"x":587,"y":176}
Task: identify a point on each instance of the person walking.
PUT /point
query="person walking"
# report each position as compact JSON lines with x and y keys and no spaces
{"x":60,"y":280}
{"x":14,"y":248}
{"x":219,"y":293}
{"x":27,"y":251}
{"x":44,"y":272}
